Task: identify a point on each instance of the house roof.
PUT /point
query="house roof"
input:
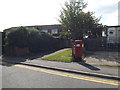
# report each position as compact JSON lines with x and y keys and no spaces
{"x":114,"y":26}
{"x":53,"y":25}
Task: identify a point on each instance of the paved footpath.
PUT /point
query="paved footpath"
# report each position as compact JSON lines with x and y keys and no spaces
{"x":77,"y":67}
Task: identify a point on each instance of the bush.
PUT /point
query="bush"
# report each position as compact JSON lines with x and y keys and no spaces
{"x":34,"y":39}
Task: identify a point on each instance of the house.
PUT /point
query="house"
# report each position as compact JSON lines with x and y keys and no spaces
{"x":52,"y":29}
{"x":112,"y":34}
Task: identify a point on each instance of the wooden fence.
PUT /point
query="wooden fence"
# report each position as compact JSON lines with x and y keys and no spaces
{"x":100,"y":44}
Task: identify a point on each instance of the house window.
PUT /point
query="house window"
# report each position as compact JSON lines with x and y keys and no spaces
{"x":103,"y":34}
{"x":45,"y":30}
{"x":111,"y":32}
{"x":54,"y":31}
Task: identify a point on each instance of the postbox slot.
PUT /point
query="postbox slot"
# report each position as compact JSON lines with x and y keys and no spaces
{"x":77,"y":45}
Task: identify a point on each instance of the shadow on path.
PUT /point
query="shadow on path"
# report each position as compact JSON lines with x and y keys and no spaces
{"x":16,"y":60}
{"x":88,"y":66}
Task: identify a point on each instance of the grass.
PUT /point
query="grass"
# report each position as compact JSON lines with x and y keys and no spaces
{"x":65,"y":56}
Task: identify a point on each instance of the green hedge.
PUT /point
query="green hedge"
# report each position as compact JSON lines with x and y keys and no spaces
{"x":36,"y":40}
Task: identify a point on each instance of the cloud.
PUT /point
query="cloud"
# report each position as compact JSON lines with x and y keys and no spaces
{"x":119,"y":13}
{"x":110,"y":19}
{"x":107,"y":8}
{"x":36,"y":12}
{"x":28,"y":12}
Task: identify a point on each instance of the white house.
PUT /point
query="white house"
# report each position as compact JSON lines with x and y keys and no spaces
{"x":113,"y":34}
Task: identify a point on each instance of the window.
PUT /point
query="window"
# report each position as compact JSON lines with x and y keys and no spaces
{"x":45,"y":30}
{"x":103,"y":34}
{"x":111,"y":32}
{"x":54,"y":31}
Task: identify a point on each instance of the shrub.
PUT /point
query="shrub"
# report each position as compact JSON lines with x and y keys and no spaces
{"x":23,"y":37}
{"x":35,"y":40}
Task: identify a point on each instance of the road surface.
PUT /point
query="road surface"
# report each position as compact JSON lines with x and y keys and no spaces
{"x":22,"y":76}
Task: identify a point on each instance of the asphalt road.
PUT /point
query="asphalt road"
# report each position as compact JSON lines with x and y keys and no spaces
{"x":20,"y":76}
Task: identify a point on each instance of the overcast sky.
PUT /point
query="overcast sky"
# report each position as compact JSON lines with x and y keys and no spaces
{"x":44,"y":12}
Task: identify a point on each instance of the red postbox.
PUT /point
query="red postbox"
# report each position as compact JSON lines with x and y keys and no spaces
{"x":77,"y":49}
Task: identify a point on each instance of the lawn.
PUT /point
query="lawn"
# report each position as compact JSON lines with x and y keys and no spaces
{"x":65,"y":56}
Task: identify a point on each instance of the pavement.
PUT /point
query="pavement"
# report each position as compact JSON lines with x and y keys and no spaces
{"x":92,"y":66}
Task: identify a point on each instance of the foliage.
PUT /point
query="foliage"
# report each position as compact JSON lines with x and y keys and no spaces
{"x":22,"y":36}
{"x":65,"y":56}
{"x":35,"y":40}
{"x":65,"y":35}
{"x":74,"y":19}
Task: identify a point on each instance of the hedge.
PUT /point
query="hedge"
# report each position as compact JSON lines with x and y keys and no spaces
{"x":36,"y":40}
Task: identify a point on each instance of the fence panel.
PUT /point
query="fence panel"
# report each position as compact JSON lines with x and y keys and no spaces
{"x":100,"y":44}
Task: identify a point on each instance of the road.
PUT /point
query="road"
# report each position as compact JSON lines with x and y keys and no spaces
{"x":21,"y":76}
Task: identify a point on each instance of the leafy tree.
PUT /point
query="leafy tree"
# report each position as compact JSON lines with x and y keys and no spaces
{"x":73,"y":18}
{"x":65,"y":35}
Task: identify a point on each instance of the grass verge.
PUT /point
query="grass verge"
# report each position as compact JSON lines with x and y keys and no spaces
{"x":65,"y":56}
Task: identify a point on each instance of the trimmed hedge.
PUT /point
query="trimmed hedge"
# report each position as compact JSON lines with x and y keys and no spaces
{"x":35,"y":40}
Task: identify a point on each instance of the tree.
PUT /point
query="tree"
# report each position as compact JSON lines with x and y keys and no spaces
{"x":74,"y":19}
{"x":65,"y":35}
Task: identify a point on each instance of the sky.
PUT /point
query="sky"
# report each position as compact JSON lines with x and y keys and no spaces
{"x":46,"y":12}
{"x":119,"y":13}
